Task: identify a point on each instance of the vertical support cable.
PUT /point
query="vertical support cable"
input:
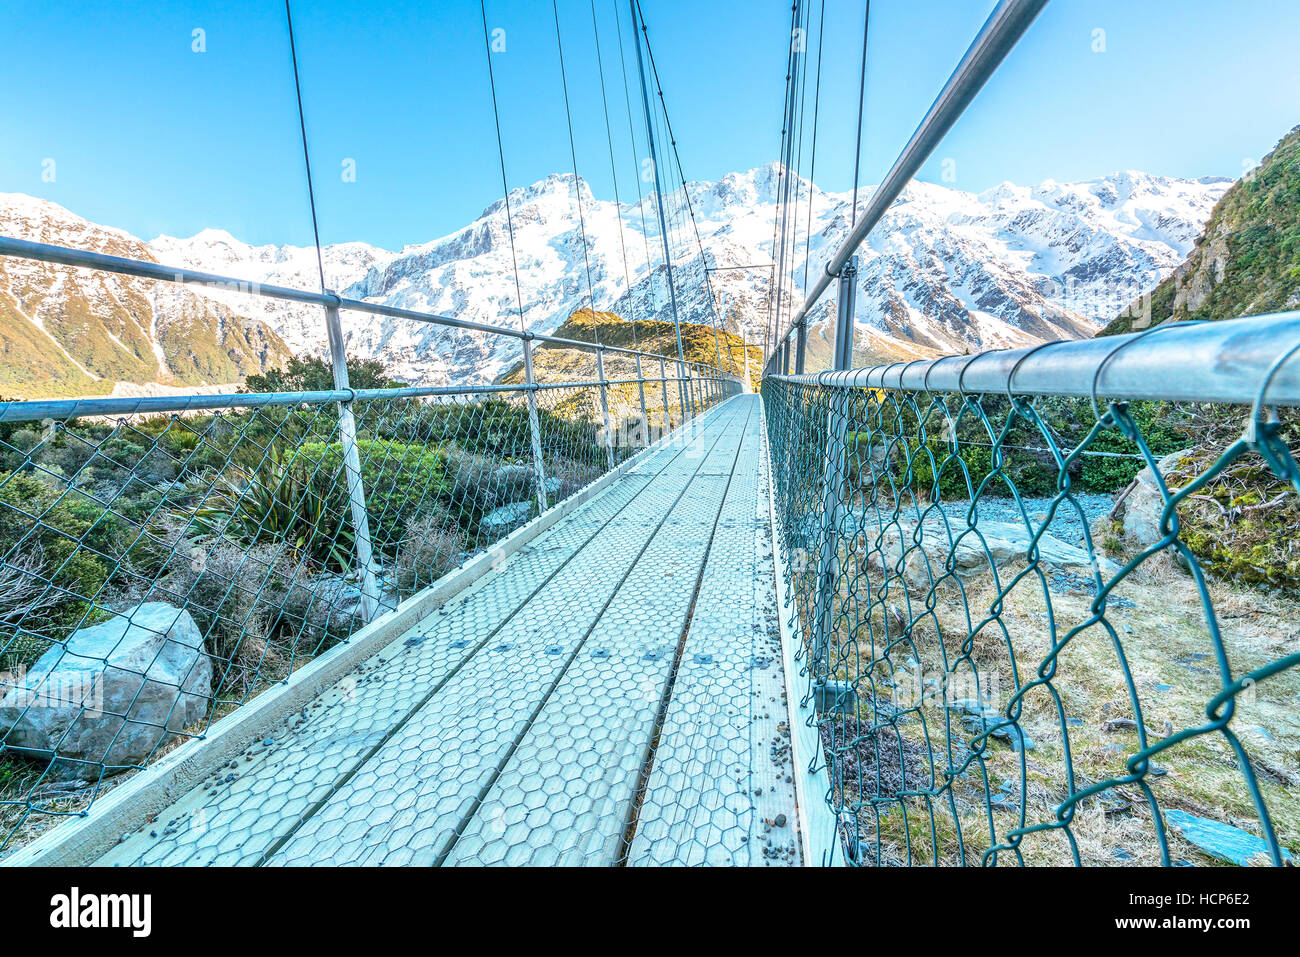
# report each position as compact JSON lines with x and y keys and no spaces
{"x":338,"y":358}
{"x":645,"y":416}
{"x":659,"y":193}
{"x":784,"y":200}
{"x":604,"y":405}
{"x":352,"y":468}
{"x":687,"y":412}
{"x":534,"y":426}
{"x":686,"y":194}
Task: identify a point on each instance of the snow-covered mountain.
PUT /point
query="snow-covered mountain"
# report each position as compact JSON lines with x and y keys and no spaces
{"x":66,"y":331}
{"x":945,"y":271}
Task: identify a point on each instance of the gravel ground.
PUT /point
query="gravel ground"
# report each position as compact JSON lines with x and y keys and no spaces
{"x":1065,"y":526}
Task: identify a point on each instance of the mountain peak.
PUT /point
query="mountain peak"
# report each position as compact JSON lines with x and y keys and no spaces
{"x":947,"y":271}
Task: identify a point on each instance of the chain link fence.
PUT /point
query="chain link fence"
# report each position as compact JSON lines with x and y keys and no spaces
{"x":1019,"y":638}
{"x":165,"y":559}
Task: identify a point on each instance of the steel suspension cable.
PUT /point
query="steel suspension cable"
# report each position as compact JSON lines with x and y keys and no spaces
{"x":862,"y":95}
{"x":789,"y":172}
{"x":812,"y":171}
{"x":577,"y":183}
{"x":654,"y":166}
{"x":631,"y":132}
{"x":501,"y":153}
{"x":775,"y":285}
{"x":798,"y":163}
{"x":686,"y":193}
{"x":613,"y":171}
{"x":306,"y":156}
{"x":792,"y":88}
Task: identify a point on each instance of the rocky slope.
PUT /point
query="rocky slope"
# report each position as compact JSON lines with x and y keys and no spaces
{"x":947,"y":271}
{"x":66,"y":331}
{"x":1247,"y":260}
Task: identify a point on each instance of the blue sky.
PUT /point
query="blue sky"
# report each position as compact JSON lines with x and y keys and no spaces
{"x":150,"y":136}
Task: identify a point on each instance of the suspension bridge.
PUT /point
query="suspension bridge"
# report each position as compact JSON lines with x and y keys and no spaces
{"x":647,"y":617}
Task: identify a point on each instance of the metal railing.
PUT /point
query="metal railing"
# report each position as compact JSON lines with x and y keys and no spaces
{"x":1039,"y":599}
{"x":165,"y":558}
{"x":1038,"y":626}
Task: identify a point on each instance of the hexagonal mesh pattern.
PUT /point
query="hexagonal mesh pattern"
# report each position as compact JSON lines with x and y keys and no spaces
{"x":609,"y":695}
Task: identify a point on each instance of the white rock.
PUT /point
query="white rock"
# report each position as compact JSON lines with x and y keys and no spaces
{"x":1143,"y":506}
{"x":506,"y":519}
{"x":1002,"y":542}
{"x":112,"y":693}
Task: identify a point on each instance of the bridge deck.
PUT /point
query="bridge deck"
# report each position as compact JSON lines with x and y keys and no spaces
{"x":613,"y":693}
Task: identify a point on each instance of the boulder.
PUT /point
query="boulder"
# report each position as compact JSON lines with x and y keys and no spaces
{"x":1002,"y":542}
{"x":1140,"y":511}
{"x":111,"y":694}
{"x":504,"y":520}
{"x":341,"y":595}
{"x":510,"y":482}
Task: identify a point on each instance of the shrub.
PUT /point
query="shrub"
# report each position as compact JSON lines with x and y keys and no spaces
{"x":302,"y":498}
{"x":279,"y":502}
{"x":429,"y":549}
{"x":255,"y":607}
{"x":401,"y":481}
{"x":951,"y":478}
{"x":64,"y":539}
{"x":479,"y":484}
{"x":1159,"y":427}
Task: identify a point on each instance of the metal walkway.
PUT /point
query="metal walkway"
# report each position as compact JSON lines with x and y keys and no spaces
{"x":612,"y":694}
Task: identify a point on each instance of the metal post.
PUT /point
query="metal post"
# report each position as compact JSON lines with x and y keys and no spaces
{"x":681,"y":391}
{"x":833,"y":696}
{"x":663,"y":384}
{"x":352,"y":467}
{"x":785,"y":357}
{"x":604,"y":405}
{"x":801,"y":346}
{"x":844,"y":315}
{"x":645,"y":416}
{"x":534,"y":427}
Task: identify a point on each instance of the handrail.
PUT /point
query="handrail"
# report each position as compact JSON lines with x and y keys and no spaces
{"x":1227,"y":361}
{"x":34,"y":410}
{"x":1004,"y":27}
{"x":83,"y":259}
